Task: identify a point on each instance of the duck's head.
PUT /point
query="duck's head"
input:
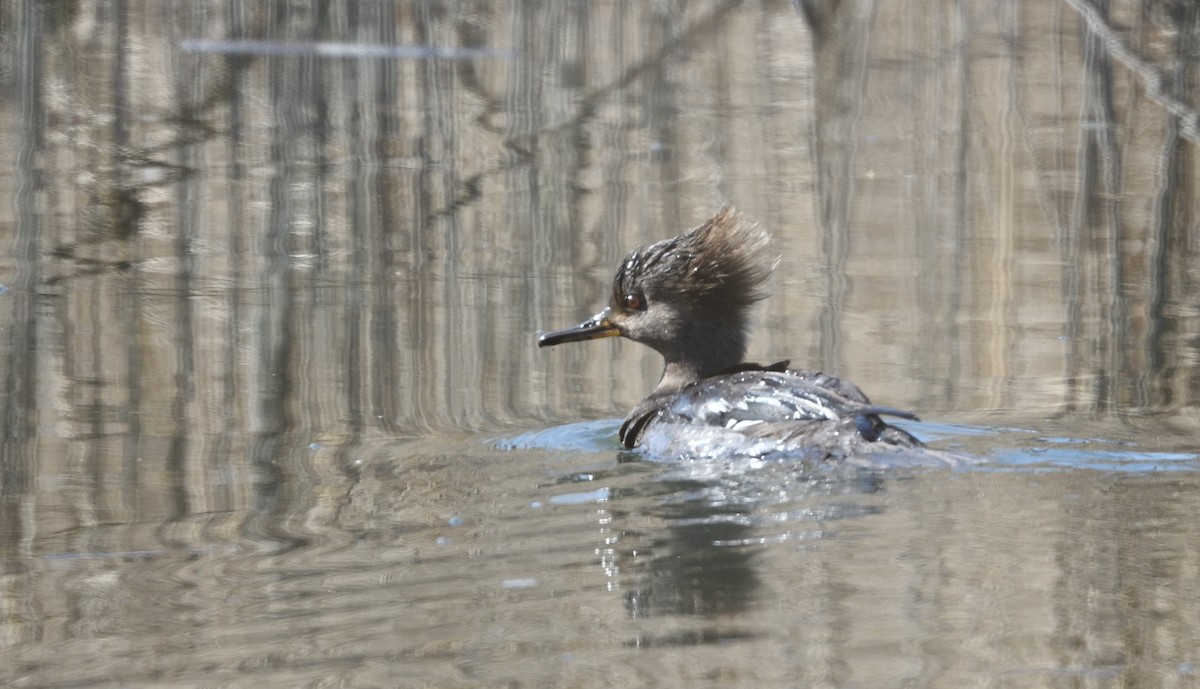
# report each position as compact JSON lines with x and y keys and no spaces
{"x":688,"y":297}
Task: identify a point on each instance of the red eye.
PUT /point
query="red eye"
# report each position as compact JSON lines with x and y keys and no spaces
{"x":633,"y":301}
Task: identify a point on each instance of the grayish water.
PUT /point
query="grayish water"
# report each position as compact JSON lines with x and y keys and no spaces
{"x":273,"y":415}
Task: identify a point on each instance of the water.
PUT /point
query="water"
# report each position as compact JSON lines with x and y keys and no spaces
{"x":274,"y":415}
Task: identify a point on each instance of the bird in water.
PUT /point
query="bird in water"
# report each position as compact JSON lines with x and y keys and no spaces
{"x":689,"y":298}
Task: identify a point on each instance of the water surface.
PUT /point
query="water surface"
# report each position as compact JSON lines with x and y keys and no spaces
{"x":273,"y":415}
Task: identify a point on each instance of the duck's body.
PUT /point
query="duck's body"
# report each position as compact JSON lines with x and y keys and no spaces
{"x":689,"y":297}
{"x":764,"y":411}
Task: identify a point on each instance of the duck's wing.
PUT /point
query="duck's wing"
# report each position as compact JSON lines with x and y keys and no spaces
{"x":840,"y":387}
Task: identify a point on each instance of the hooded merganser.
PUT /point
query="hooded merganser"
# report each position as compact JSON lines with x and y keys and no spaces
{"x":689,"y":298}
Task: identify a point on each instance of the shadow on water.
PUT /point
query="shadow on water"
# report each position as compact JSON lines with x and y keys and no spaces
{"x":702,"y":561}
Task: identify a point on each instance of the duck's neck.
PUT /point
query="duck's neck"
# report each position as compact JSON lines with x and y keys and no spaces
{"x":707,"y":350}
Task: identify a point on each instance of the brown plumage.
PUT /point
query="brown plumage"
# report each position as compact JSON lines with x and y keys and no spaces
{"x":717,"y":270}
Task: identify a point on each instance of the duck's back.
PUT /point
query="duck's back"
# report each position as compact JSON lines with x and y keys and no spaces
{"x":763,"y":411}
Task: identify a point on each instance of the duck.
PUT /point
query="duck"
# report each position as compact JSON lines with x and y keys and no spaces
{"x":690,"y":298}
